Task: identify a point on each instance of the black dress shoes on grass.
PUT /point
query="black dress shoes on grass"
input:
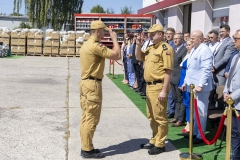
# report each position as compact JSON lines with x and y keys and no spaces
{"x":197,"y":140}
{"x":147,"y":146}
{"x":156,"y":150}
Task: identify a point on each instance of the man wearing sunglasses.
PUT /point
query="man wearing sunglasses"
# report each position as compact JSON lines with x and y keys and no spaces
{"x":232,"y":89}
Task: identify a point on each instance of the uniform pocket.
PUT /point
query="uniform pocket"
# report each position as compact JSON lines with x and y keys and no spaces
{"x":155,"y":58}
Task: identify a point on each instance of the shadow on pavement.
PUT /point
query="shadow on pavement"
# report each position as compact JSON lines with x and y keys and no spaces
{"x":128,"y":146}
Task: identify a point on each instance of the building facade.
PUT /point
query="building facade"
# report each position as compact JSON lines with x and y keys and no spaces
{"x":189,"y":15}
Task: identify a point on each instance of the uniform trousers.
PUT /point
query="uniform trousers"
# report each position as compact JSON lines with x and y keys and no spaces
{"x":202,"y":102}
{"x":91,"y":104}
{"x":235,"y":140}
{"x":156,"y":113}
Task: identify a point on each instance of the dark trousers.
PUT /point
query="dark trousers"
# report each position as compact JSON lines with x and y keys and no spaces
{"x":137,"y":69}
{"x":235,"y":141}
{"x":180,"y":109}
{"x":171,"y":103}
{"x":142,"y":83}
{"x":125,"y":68}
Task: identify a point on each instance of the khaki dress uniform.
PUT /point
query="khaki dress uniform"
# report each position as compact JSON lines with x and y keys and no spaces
{"x":157,"y":58}
{"x":92,"y":62}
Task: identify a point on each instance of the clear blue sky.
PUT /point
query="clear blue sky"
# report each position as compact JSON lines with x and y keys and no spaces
{"x":6,"y":6}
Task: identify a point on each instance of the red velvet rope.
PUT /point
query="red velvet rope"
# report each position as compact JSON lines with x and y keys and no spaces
{"x":200,"y":126}
{"x":119,"y":63}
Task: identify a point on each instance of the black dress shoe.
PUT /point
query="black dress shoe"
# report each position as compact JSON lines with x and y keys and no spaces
{"x":95,"y":150}
{"x":197,"y":140}
{"x":187,"y":136}
{"x":147,"y":146}
{"x":156,"y":150}
{"x":170,"y":115}
{"x":142,"y":94}
{"x":95,"y":153}
{"x":137,"y":90}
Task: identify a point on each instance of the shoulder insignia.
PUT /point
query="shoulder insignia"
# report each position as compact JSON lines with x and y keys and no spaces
{"x":100,"y":44}
{"x":168,"y":53}
{"x":164,"y":47}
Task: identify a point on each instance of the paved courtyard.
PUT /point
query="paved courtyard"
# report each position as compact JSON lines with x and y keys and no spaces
{"x":40,"y":114}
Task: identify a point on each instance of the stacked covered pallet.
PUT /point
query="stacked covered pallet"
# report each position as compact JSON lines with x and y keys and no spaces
{"x":80,"y":36}
{"x":51,"y":43}
{"x":67,"y":43}
{"x":34,"y":42}
{"x":18,"y":42}
{"x":5,"y":35}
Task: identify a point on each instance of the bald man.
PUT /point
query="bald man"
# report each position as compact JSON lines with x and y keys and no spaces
{"x":198,"y":72}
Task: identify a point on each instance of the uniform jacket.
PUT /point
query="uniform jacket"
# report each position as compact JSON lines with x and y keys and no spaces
{"x":235,"y":84}
{"x":199,"y":68}
{"x":178,"y":57}
{"x":222,"y":56}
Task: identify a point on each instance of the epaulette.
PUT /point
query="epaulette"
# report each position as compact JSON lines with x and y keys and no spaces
{"x":164,"y":47}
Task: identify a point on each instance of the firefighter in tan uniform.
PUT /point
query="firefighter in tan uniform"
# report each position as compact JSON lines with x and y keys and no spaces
{"x":92,"y":61}
{"x":158,"y":65}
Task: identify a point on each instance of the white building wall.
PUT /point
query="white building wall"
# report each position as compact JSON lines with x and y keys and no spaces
{"x":201,"y":16}
{"x":175,"y":18}
{"x":11,"y":22}
{"x":149,"y":2}
{"x":234,"y":16}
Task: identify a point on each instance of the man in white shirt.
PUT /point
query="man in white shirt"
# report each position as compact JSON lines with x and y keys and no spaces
{"x":213,"y":36}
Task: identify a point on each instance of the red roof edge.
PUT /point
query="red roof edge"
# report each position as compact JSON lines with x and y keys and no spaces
{"x":160,"y":5}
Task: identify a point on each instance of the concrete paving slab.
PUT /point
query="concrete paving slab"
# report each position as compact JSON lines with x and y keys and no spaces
{"x":40,"y":114}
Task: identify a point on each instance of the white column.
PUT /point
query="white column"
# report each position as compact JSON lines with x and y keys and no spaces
{"x":159,"y":18}
{"x":234,"y":16}
{"x":175,"y":18}
{"x":202,"y":16}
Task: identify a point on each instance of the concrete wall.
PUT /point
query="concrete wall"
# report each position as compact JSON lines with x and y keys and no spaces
{"x":234,"y":16}
{"x":149,"y":2}
{"x":12,"y":22}
{"x":202,"y":16}
{"x":175,"y":18}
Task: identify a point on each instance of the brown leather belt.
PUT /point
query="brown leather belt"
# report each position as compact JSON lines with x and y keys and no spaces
{"x":154,"y":82}
{"x":92,"y":78}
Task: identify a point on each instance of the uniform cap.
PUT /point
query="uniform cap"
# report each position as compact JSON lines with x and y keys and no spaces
{"x":156,"y":27}
{"x":98,"y":24}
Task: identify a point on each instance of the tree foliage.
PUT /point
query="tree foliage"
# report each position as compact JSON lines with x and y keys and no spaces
{"x":109,"y":11}
{"x":126,"y":10}
{"x":97,"y":9}
{"x":24,"y":25}
{"x":16,"y":14}
{"x":55,"y":12}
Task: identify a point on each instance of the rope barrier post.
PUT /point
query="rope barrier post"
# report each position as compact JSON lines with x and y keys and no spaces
{"x":113,"y":70}
{"x":229,"y":128}
{"x":190,"y":155}
{"x":109,"y":66}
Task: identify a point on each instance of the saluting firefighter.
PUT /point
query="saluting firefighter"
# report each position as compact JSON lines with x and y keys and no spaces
{"x":158,"y":65}
{"x":92,"y":61}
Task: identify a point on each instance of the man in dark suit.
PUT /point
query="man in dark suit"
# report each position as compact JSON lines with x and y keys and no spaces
{"x":170,"y":32}
{"x":222,"y":55}
{"x":180,"y":53}
{"x":232,"y":89}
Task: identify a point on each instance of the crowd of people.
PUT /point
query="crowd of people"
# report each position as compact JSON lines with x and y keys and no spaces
{"x":204,"y":61}
{"x":161,"y":66}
